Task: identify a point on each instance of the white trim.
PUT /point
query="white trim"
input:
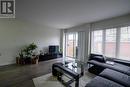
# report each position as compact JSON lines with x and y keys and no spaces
{"x":118,"y":32}
{"x":103,"y":41}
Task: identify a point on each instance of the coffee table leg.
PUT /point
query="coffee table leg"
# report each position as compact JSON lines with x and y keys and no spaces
{"x":77,"y":83}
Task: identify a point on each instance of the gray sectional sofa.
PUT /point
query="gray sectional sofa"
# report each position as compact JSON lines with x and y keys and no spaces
{"x":110,"y":78}
{"x":111,"y":75}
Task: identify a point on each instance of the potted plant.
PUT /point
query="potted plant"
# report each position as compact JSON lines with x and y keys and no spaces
{"x":27,"y":53}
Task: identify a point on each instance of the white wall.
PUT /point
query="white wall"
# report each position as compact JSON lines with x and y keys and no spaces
{"x":14,"y":34}
{"x":83,"y":27}
{"x":113,"y":22}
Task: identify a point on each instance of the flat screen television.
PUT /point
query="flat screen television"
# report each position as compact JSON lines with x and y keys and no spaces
{"x":53,"y":49}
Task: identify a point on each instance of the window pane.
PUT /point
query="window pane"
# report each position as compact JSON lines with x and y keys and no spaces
{"x":97,"y":41}
{"x":125,"y":43}
{"x":110,"y":42}
{"x":70,"y":37}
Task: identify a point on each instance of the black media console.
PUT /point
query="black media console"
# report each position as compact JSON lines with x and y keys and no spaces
{"x":52,"y":54}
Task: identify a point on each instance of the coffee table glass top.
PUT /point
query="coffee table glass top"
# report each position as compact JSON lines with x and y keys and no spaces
{"x":76,"y":66}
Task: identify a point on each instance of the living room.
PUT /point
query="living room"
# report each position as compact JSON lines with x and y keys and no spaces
{"x":92,"y":33}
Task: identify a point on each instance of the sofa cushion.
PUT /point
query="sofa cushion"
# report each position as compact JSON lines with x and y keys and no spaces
{"x":95,"y":70}
{"x":116,"y":77}
{"x":116,"y":66}
{"x":99,"y":58}
{"x":102,"y":82}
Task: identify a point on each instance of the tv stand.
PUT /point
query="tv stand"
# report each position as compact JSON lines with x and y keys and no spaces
{"x":49,"y":56}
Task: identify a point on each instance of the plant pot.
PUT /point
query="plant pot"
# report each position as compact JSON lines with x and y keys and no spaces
{"x":35,"y":61}
{"x":27,"y":60}
{"x":17,"y":60}
{"x":20,"y":60}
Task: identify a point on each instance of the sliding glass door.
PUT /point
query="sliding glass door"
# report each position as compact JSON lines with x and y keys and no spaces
{"x":71,"y":45}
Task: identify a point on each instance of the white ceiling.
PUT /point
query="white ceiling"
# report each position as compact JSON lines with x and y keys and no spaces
{"x":68,"y":13}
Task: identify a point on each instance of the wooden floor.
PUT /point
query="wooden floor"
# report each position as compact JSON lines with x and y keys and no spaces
{"x":22,"y":75}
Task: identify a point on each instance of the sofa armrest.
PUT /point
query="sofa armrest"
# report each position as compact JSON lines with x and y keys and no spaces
{"x":124,"y":62}
{"x":120,"y":61}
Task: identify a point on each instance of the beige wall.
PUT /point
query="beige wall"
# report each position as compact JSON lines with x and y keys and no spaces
{"x":14,"y":34}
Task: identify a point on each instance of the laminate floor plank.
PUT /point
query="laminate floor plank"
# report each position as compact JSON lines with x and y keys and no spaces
{"x":22,"y":75}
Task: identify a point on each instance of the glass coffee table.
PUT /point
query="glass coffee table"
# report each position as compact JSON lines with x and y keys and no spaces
{"x":72,"y":70}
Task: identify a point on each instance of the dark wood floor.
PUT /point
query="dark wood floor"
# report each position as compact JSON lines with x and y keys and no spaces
{"x":22,"y":75}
